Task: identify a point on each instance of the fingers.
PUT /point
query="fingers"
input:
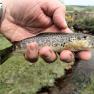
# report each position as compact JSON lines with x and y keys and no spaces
{"x":57,"y":14}
{"x":31,"y":53}
{"x":47,"y":54}
{"x":59,"y":20}
{"x":84,"y":55}
{"x":42,"y":20}
{"x":67,"y":56}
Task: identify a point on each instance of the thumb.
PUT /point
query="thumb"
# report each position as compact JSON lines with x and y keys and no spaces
{"x":59,"y":19}
{"x":57,"y":13}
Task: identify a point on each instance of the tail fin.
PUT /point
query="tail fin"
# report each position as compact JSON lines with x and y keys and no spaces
{"x":5,"y":54}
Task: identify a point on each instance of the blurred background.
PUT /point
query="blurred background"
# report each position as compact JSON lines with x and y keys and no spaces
{"x":16,"y":74}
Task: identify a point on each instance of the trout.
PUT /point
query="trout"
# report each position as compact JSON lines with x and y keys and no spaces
{"x":57,"y":41}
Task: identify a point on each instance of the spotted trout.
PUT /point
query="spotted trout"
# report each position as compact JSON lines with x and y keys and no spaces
{"x":57,"y":41}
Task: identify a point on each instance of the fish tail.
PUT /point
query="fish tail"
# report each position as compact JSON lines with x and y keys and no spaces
{"x":5,"y":54}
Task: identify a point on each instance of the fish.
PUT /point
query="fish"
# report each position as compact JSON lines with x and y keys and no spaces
{"x":57,"y":41}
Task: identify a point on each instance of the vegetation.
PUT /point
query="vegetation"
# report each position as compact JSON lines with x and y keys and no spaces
{"x":17,"y":76}
{"x":82,"y":20}
{"x":80,"y":8}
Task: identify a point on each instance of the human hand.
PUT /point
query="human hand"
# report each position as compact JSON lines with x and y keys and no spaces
{"x":27,"y":18}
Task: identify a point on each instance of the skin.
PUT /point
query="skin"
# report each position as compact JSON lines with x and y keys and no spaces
{"x":27,"y":18}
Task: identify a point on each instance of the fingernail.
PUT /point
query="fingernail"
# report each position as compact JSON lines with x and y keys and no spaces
{"x":67,"y":30}
{"x":67,"y":56}
{"x":31,"y":53}
{"x":47,"y":54}
{"x":84,"y":55}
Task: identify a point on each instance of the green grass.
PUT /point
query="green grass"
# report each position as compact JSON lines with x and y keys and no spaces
{"x":80,"y":8}
{"x":3,"y":42}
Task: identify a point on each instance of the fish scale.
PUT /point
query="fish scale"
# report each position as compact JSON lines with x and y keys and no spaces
{"x":60,"y":41}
